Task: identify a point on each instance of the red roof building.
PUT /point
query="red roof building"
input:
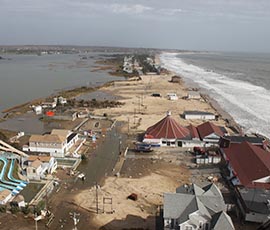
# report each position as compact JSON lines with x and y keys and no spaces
{"x":249,"y":164}
{"x":167,"y":128}
{"x":193,"y":132}
{"x":208,"y":128}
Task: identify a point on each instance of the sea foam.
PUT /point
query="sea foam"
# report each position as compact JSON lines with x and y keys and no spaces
{"x":248,"y":104}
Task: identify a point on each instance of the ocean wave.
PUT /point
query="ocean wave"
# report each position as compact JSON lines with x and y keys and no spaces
{"x":245,"y":102}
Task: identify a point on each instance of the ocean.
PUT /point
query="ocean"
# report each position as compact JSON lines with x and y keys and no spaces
{"x":26,"y":77}
{"x":239,"y":82}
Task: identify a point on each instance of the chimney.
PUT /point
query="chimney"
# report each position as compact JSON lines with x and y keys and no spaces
{"x":169,"y":113}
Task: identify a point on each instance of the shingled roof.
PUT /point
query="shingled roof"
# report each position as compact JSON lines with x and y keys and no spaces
{"x":208,"y":128}
{"x":250,"y":163}
{"x":167,"y":128}
{"x":193,"y":131}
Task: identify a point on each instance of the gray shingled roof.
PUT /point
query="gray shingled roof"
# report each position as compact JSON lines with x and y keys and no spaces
{"x":190,"y":198}
{"x":179,"y":205}
{"x":222,"y":221}
{"x":256,"y":199}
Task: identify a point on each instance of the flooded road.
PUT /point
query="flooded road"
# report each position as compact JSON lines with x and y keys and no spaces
{"x":103,"y":159}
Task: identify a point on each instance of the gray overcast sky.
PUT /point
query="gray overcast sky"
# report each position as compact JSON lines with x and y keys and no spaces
{"x":229,"y":25}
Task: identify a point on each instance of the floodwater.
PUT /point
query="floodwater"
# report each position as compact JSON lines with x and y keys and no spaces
{"x":26,"y":77}
{"x":103,"y":159}
{"x":99,"y":96}
{"x":31,"y":190}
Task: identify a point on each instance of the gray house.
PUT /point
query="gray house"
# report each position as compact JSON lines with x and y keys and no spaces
{"x":192,"y":208}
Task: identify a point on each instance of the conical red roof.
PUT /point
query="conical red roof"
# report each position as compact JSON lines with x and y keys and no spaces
{"x":167,"y":128}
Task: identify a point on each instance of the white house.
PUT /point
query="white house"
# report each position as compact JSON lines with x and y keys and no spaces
{"x":39,"y":166}
{"x":198,"y":115}
{"x":49,"y":164}
{"x":38,"y":109}
{"x":57,"y":143}
{"x":34,"y":171}
{"x":172,"y":96}
{"x":5,"y":196}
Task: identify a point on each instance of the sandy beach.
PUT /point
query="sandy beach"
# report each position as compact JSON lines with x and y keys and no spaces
{"x":165,"y":171}
{"x":143,"y":110}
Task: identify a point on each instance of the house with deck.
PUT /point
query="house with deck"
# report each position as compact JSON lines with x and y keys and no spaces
{"x":193,"y":208}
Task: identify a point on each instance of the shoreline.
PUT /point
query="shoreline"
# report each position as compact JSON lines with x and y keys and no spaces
{"x":139,"y":111}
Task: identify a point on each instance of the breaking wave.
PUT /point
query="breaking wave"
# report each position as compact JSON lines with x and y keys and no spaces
{"x":248,"y":104}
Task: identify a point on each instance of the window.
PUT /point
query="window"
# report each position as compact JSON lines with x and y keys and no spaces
{"x":188,"y":227}
{"x":34,"y":170}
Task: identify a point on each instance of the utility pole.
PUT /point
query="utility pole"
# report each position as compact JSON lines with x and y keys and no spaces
{"x":134,"y":115}
{"x":36,"y":221}
{"x":128,"y":125}
{"x":96,"y":197}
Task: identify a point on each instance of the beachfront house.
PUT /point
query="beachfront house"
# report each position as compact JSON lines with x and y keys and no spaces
{"x":193,"y":207}
{"x":198,"y":115}
{"x":226,"y":141}
{"x":58,"y":143}
{"x":166,"y":132}
{"x":193,"y":95}
{"x":248,"y":165}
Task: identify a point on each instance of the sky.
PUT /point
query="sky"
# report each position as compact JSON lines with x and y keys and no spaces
{"x":212,"y":25}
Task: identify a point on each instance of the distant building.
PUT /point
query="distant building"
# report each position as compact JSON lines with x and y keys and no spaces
{"x":194,"y":208}
{"x":172,"y":96}
{"x":198,"y":115}
{"x":62,"y":100}
{"x":193,"y":95}
{"x":50,"y":105}
{"x":38,"y":109}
